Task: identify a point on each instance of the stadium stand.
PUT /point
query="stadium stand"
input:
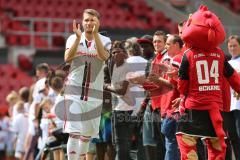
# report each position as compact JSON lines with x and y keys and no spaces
{"x":9,"y":76}
{"x":51,"y":18}
{"x":233,"y":5}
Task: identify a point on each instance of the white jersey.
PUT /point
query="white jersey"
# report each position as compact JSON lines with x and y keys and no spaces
{"x":39,"y":85}
{"x":84,"y":87}
{"x":138,"y":65}
{"x":86,"y":71}
{"x":37,"y":97}
{"x":20,"y":127}
{"x":44,"y":125}
{"x":235,"y":103}
{"x":124,"y":102}
{"x":36,"y":101}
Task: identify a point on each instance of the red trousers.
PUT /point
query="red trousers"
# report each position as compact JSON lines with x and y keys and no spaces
{"x":188,"y":149}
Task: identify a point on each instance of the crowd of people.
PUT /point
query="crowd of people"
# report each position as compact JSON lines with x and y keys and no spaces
{"x":127,"y":100}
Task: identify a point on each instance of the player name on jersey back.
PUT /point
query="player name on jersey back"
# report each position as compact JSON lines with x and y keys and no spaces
{"x":209,"y":88}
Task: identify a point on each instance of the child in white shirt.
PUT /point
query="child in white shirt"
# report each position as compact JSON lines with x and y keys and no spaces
{"x":20,"y":127}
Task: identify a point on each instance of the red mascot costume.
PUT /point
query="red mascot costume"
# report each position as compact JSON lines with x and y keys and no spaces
{"x":201,"y":76}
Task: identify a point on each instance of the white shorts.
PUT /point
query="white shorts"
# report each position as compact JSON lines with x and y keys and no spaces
{"x":31,"y":127}
{"x":18,"y":154}
{"x":89,"y":125}
{"x":19,"y":151}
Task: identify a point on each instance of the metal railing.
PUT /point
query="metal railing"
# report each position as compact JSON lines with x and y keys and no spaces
{"x":49,"y":34}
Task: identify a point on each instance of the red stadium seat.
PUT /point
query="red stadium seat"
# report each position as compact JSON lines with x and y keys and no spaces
{"x":12,"y":79}
{"x":121,"y":1}
{"x":17,"y":26}
{"x":4,"y":22}
{"x":139,"y":8}
{"x":235,"y":4}
{"x":24,"y":40}
{"x":24,"y":79}
{"x":41,"y":26}
{"x":58,"y":41}
{"x":40,"y":42}
{"x":119,"y":14}
{"x":3,"y":82}
{"x":171,"y":26}
{"x":38,"y":11}
{"x":157,"y":19}
{"x":3,"y":106}
{"x":25,"y":62}
{"x":26,"y":10}
{"x":12,"y":40}
{"x":9,"y":71}
{"x":58,"y":27}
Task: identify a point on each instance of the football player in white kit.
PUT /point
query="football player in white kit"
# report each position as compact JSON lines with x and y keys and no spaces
{"x":82,"y":98}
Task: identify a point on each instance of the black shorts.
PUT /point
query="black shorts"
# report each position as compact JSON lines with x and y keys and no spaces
{"x":61,"y":138}
{"x":196,"y":123}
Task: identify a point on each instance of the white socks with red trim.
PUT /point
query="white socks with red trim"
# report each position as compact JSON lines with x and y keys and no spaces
{"x":83,"y":147}
{"x":73,"y":148}
{"x":77,"y":147}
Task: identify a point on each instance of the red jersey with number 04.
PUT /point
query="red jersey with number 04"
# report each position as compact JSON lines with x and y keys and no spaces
{"x":201,"y":78}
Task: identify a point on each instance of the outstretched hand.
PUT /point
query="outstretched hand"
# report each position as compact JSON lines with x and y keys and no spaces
{"x":96,"y":25}
{"x":136,"y":78}
{"x":77,"y":29}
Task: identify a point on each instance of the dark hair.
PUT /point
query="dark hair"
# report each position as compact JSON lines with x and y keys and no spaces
{"x":92,"y":12}
{"x":177,"y":39}
{"x":52,"y":74}
{"x":145,"y":39}
{"x":133,"y":48}
{"x":24,"y":93}
{"x":43,"y":67}
{"x":57,"y":83}
{"x":118,"y":45}
{"x":161,"y":33}
{"x":234,"y":37}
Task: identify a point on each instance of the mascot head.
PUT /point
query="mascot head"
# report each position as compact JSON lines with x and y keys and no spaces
{"x":203,"y":30}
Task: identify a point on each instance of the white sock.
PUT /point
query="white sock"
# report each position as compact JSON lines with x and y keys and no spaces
{"x":73,"y":148}
{"x":83,"y":147}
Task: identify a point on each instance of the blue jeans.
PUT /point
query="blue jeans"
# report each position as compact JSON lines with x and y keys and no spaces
{"x":172,"y":150}
{"x":153,"y":139}
{"x":151,"y":127}
{"x":122,"y":131}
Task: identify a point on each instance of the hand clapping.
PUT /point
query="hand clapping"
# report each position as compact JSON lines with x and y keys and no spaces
{"x":77,"y":29}
{"x":96,"y":25}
